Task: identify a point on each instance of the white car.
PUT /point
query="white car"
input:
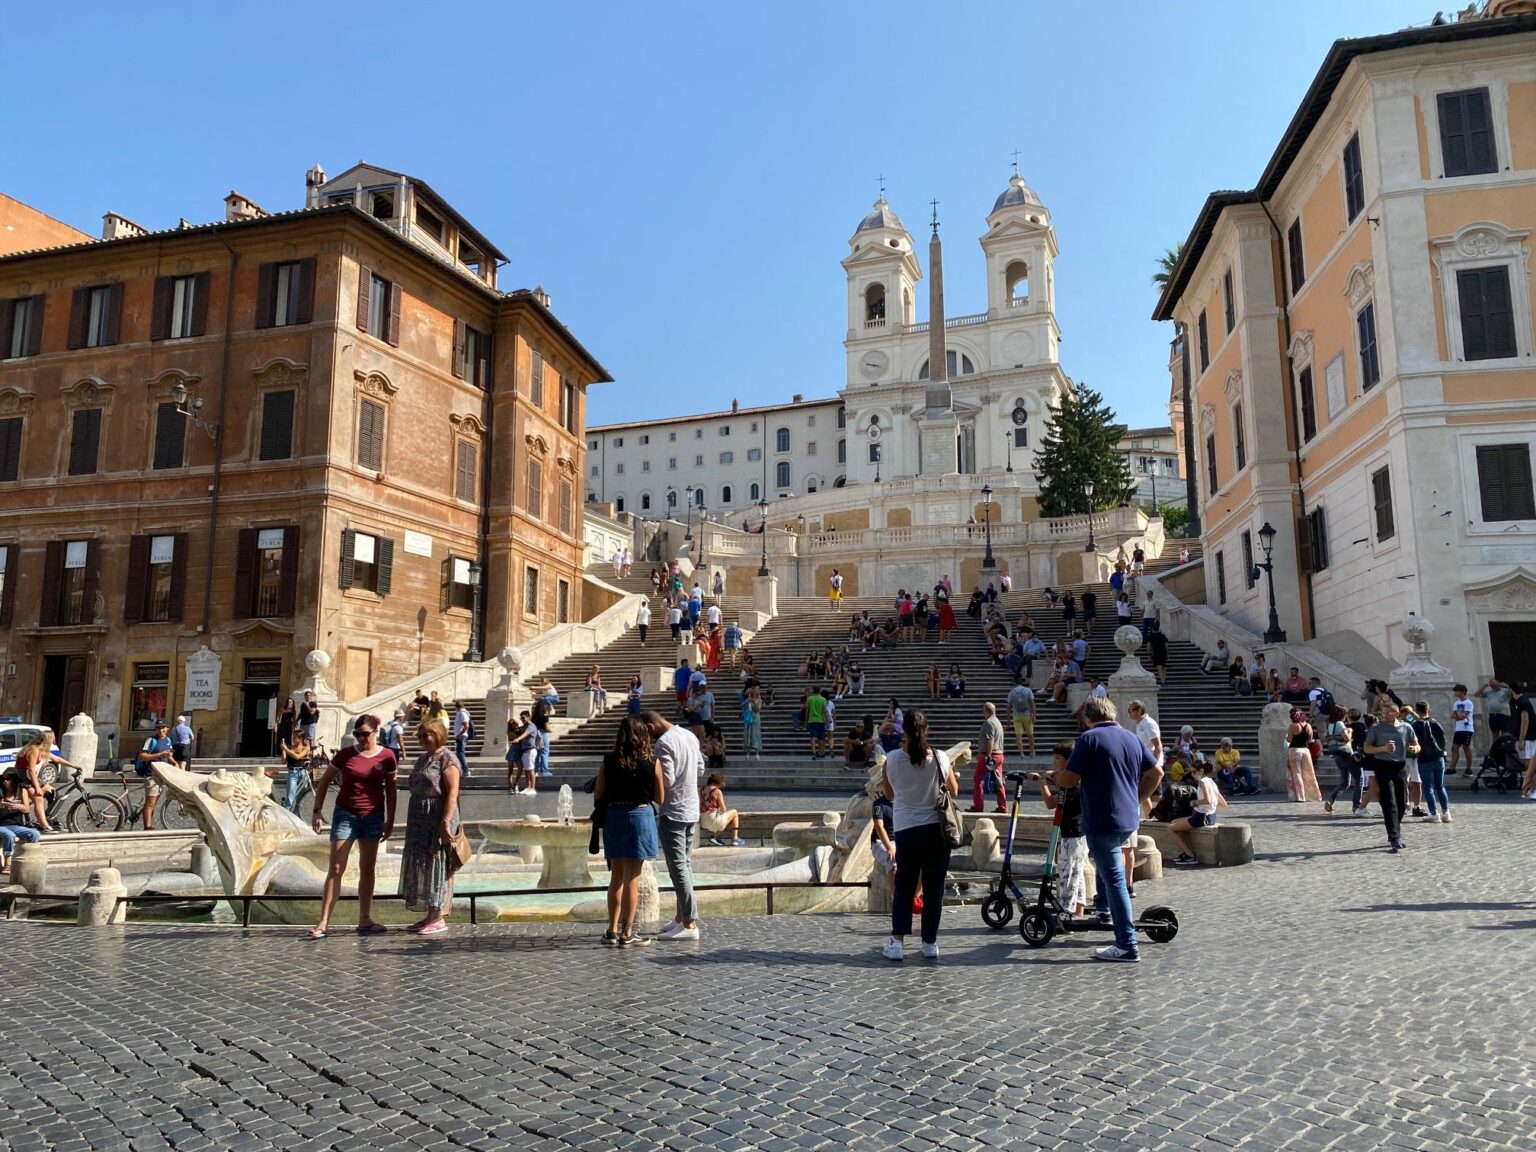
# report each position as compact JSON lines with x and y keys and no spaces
{"x":12,"y":738}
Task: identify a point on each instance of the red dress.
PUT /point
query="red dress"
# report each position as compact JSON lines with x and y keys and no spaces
{"x":712,"y":657}
{"x":946,"y":617}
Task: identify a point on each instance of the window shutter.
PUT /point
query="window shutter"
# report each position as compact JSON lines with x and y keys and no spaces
{"x":114,"y":312}
{"x":1519,"y":497}
{"x":53,"y":576}
{"x":8,"y":593}
{"x":346,"y":569}
{"x":464,"y":476}
{"x":201,"y":284}
{"x":1498,"y":312}
{"x":276,"y":425}
{"x":458,"y":349}
{"x":266,"y":294}
{"x":392,"y":333}
{"x":1479,"y":124}
{"x":10,"y":448}
{"x":386,"y":561}
{"x":178,"y":577}
{"x":92,"y":581}
{"x":85,"y":442}
{"x":445,"y":590}
{"x":370,"y":436}
{"x":245,"y":573}
{"x":1304,"y":544}
{"x":565,"y":508}
{"x":306,"y":311}
{"x":1319,"y":539}
{"x":288,"y":574}
{"x":1381,"y":497}
{"x":138,"y":579}
{"x":7,"y":319}
{"x":79,"y":314}
{"x":160,"y":313}
{"x":35,"y":333}
{"x":170,"y":436}
{"x":364,"y":285}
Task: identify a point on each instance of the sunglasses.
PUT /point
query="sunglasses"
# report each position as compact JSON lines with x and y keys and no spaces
{"x":362,"y":731}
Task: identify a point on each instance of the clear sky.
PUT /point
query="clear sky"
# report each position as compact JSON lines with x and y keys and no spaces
{"x":683,"y":178}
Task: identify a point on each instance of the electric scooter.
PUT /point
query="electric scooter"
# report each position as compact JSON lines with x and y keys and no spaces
{"x":997,"y":908}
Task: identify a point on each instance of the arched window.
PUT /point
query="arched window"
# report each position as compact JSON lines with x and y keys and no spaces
{"x":757,"y":492}
{"x":645,"y":501}
{"x":874,"y":306}
{"x":842,"y":417}
{"x":781,"y":474}
{"x":725,"y":494}
{"x":1016,"y":281}
{"x":698,"y":497}
{"x":959,"y":365}
{"x":618,"y":503}
{"x":781,"y":440}
{"x":842,"y":451}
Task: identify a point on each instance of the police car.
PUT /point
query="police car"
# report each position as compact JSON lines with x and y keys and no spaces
{"x":13,"y":737}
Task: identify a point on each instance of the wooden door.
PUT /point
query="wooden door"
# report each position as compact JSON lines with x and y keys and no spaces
{"x":359,"y":679}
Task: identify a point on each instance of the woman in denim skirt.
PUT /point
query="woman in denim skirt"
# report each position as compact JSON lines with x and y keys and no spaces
{"x":628,"y":783}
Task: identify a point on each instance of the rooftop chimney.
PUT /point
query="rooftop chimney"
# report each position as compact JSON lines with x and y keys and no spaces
{"x":313,"y":179}
{"x":735,"y":405}
{"x":117,"y":227}
{"x":797,"y":398}
{"x":541,"y":296}
{"x":238,"y":207}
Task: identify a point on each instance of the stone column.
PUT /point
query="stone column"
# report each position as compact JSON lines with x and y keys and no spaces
{"x":765,"y":597}
{"x":29,"y":867}
{"x":503,"y":699}
{"x":1131,"y":681}
{"x":78,"y":744}
{"x":333,"y":712}
{"x":1420,"y":678}
{"x":1272,"y":748}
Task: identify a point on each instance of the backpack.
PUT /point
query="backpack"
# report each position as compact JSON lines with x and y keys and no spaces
{"x":1176,"y":802}
{"x":1325,"y":702}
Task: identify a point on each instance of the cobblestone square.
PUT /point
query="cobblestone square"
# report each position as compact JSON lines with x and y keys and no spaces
{"x":1328,"y":996}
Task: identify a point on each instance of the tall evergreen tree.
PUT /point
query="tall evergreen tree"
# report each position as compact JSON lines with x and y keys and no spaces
{"x":1081,"y":445}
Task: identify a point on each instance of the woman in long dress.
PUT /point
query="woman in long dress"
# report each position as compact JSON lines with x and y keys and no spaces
{"x":431,"y":823}
{"x":1300,"y":776}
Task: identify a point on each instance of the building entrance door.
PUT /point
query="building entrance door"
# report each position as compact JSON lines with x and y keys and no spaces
{"x":256,"y":739}
{"x":63,"y":692}
{"x":1512,"y":644}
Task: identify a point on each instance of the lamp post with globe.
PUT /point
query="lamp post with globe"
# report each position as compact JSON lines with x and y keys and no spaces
{"x":988,"y":561}
{"x":1092,"y":545}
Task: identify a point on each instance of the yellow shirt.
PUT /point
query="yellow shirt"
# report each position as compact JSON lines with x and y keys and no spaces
{"x":1227,"y":758}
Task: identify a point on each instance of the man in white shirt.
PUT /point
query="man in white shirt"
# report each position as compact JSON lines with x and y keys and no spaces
{"x":643,"y":620}
{"x":682,"y":767}
{"x":617,"y":560}
{"x":1462,"y":728}
{"x":1147,"y":730}
{"x":463,"y":729}
{"x":712,"y":614}
{"x":1220,"y":659}
{"x":626,"y":562}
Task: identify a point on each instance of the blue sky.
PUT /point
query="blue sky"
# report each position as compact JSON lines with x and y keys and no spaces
{"x":683,"y":178}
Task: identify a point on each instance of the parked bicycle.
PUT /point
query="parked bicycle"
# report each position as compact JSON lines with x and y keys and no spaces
{"x":100,"y":812}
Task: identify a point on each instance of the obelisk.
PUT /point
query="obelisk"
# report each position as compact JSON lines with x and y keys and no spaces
{"x":938,"y":426}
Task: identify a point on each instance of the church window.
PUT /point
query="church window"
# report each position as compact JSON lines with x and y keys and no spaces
{"x":1016,"y":279}
{"x":842,"y":451}
{"x":959,"y":365}
{"x":725,"y":494}
{"x":874,"y":306}
{"x":781,"y":440}
{"x":842,"y":417}
{"x":781,"y":474}
{"x":645,"y":501}
{"x":756,"y":492}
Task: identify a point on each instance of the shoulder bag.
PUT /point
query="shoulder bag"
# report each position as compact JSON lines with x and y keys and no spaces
{"x":950,"y":819}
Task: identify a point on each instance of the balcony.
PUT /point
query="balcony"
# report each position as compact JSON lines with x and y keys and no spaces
{"x":950,"y":322}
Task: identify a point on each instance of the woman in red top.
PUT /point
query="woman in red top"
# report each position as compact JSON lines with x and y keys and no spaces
{"x":946,"y":621}
{"x":365,"y":812}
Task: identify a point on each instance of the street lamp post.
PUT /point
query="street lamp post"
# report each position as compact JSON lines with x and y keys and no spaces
{"x":1088,"y":492}
{"x":476,"y":571}
{"x":1008,"y":443}
{"x":1274,"y":634}
{"x":762,"y":512}
{"x":688,"y":513}
{"x":988,"y":561}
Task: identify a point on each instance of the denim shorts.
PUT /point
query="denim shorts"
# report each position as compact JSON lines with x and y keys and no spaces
{"x":346,"y":826}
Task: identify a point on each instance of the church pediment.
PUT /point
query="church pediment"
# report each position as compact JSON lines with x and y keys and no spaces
{"x":1016,"y":226}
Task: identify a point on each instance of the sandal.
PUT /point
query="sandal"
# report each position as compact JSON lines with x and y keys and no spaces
{"x":436,"y":929}
{"x":374,"y":928}
{"x":419,"y":925}
{"x":318,"y":933}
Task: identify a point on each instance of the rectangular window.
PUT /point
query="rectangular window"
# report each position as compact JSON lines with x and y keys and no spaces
{"x":1504,"y":482}
{"x":183,"y":304}
{"x":568,"y":406}
{"x":21,"y":327}
{"x":7,"y":583}
{"x":1248,"y":580}
{"x":285,"y":294}
{"x":725,"y":429}
{"x":1212,"y":482}
{"x":1298,"y":258}
{"x":536,"y":388}
{"x":1313,"y":534}
{"x":97,"y":311}
{"x":471,"y":355}
{"x":592,"y":444}
{"x":150,"y":702}
{"x":842,"y":451}
{"x":698,"y":433}
{"x":1365,"y":333}
{"x":1205,"y":343}
{"x":1239,"y":438}
{"x":810,"y":447}
{"x":370,"y":436}
{"x":535,"y":502}
{"x":1487,"y":314}
{"x":76,"y":572}
{"x":1467,"y":146}
{"x":276,"y":425}
{"x":562,"y":601}
{"x":1354,"y":179}
{"x":1021,"y":437}
{"x":170,"y":436}
{"x":530,"y":591}
{"x":567,"y":521}
{"x":458,"y":592}
{"x":1308,"y":404}
{"x":85,"y":443}
{"x":618,"y":469}
{"x":1381,"y":503}
{"x":698,"y":461}
{"x":1228,"y":301}
{"x":671,"y":437}
{"x":781,"y":474}
{"x":466,"y":471}
{"x":378,"y":306}
{"x":594,"y":470}
{"x":754,"y":454}
{"x":367,"y":562}
{"x":671,"y":463}
{"x":1221,"y":578}
{"x":644,"y":439}
{"x":727,"y":457}
{"x":269,"y":543}
{"x":158,"y":578}
{"x":10,"y":448}
{"x":645,"y":465}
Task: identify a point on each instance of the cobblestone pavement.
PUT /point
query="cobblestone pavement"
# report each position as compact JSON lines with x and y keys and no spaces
{"x":1329,"y":996}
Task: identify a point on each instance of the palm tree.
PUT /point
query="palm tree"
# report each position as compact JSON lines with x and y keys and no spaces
{"x":1166,"y":263}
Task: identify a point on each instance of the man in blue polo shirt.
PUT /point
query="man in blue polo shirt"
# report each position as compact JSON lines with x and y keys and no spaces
{"x":1114,"y":774}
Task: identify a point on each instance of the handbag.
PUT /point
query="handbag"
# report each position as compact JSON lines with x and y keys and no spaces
{"x":459,"y":852}
{"x":950,"y":819}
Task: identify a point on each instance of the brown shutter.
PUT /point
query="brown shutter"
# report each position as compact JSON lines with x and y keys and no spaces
{"x":8,"y":593}
{"x":178,"y":577}
{"x":364,"y":284}
{"x":458,"y":347}
{"x":1304,"y":544}
{"x":386,"y":564}
{"x":392,"y":335}
{"x":445,"y":590}
{"x":160,"y":314}
{"x":35,"y":333}
{"x":53,"y":576}
{"x":266,"y":293}
{"x":346,"y":570}
{"x":245,"y":574}
{"x":202,"y":283}
{"x":79,"y":313}
{"x":114,"y":312}
{"x":7,"y":318}
{"x":306,"y":311}
{"x":92,"y":581}
{"x":138,"y":578}
{"x":288,"y":587}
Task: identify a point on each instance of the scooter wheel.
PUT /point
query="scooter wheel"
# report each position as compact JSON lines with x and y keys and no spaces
{"x":1037,"y":928}
{"x":1161,"y":924}
{"x":997,"y":910}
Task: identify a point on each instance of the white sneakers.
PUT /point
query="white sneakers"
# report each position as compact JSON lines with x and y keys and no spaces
{"x":1115,"y":954}
{"x":894,"y":950}
{"x":930,"y":951}
{"x":678,"y":931}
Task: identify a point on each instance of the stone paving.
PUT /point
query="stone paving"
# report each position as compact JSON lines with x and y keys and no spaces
{"x":1329,"y":996}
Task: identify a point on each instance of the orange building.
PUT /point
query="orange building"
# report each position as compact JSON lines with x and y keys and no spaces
{"x":23,"y":227}
{"x":272,"y":434}
{"x":1360,"y":329}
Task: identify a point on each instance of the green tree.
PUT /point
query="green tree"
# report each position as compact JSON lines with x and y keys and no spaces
{"x":1081,"y":445}
{"x":1166,"y":263}
{"x":1175,"y":519}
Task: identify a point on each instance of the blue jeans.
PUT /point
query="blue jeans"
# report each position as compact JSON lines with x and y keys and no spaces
{"x":1432,"y":775}
{"x":11,"y":833}
{"x":460,"y":746}
{"x":293,"y":791}
{"x":677,"y":847}
{"x":541,"y":762}
{"x":1109,"y":892}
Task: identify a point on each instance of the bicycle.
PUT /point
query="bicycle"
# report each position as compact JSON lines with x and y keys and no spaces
{"x":318,"y":761}
{"x":98,"y":812}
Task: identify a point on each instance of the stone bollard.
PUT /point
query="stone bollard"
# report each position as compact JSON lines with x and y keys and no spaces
{"x":99,"y":899}
{"x":29,"y":867}
{"x":78,"y":744}
{"x":203,"y":865}
{"x":648,"y":906}
{"x":880,"y":882}
{"x":984,"y":841}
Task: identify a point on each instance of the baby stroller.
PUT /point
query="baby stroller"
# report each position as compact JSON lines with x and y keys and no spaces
{"x":1501,"y":765}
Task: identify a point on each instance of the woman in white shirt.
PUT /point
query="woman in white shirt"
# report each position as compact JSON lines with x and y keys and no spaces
{"x":911,"y":780}
{"x":1208,"y":798}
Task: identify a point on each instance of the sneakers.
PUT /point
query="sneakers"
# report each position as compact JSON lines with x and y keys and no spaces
{"x":635,"y":941}
{"x":929,"y":951}
{"x":1431,"y":818}
{"x":738,"y":843}
{"x":678,"y":931}
{"x":894,"y":950}
{"x":1328,"y":807}
{"x":1445,"y":817}
{"x":1418,"y":812}
{"x":611,"y":939}
{"x":1116,"y":954}
{"x":1186,"y":858}
{"x":717,"y":842}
